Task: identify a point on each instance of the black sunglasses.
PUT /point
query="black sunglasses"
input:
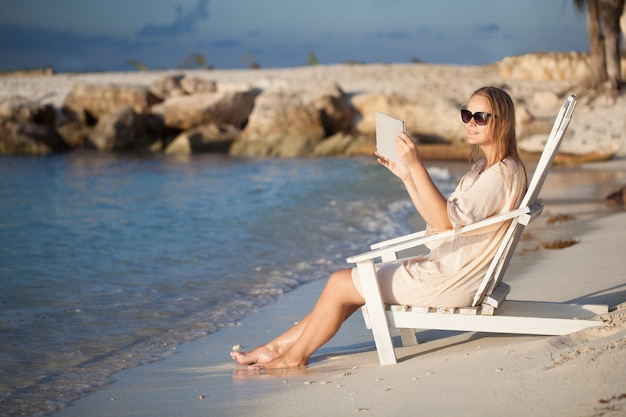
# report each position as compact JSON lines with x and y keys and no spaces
{"x":480,"y":117}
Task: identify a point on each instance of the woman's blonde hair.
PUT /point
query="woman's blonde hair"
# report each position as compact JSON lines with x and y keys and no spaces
{"x":502,"y":126}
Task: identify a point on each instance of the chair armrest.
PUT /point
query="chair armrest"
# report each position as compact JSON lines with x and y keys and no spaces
{"x":413,"y":242}
{"x":399,"y":239}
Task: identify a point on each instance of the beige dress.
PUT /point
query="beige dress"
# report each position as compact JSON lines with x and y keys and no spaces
{"x":450,"y":275}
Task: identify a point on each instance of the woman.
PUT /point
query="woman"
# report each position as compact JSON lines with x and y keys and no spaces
{"x":449,"y":276}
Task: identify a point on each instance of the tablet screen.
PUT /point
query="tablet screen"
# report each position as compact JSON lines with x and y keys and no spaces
{"x":387,"y":128}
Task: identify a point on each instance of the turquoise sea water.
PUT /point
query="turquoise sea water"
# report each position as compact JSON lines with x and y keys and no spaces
{"x":108,"y":261}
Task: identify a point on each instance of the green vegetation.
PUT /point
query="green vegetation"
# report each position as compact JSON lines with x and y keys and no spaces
{"x":194,"y":60}
{"x":139,"y":66}
{"x":313,"y":59}
{"x":250,"y":62}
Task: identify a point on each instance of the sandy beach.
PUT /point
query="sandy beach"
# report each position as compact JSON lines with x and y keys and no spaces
{"x":448,"y":373}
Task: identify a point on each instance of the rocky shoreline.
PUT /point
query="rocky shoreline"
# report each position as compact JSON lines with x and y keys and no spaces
{"x":297,"y":112}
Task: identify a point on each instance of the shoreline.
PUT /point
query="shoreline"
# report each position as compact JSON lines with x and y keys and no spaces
{"x":579,"y":374}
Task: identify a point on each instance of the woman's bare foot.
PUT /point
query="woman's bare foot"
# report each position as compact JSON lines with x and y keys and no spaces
{"x":261,"y":354}
{"x":280,"y":362}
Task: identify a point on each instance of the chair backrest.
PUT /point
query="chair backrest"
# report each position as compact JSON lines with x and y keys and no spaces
{"x":503,"y":255}
{"x":550,"y":150}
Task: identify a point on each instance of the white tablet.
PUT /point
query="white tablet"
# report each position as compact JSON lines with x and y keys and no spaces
{"x":387,"y":128}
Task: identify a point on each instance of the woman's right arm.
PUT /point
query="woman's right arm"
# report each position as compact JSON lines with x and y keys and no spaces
{"x":426,"y":197}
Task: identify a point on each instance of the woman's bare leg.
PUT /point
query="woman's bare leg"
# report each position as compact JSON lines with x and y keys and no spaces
{"x":338,"y":301}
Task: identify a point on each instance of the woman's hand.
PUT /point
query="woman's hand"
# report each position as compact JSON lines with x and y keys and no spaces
{"x":409,"y":155}
{"x":399,"y":170}
{"x":408,"y":151}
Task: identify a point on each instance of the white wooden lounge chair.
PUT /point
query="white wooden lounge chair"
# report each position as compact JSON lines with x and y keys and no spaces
{"x":489,"y":312}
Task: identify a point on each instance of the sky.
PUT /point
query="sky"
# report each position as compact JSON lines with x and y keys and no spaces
{"x":111,"y":35}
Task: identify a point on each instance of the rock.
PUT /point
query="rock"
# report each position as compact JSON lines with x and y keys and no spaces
{"x":29,"y":139}
{"x":548,"y":66}
{"x":179,"y":85}
{"x":618,"y":197}
{"x":291,"y":121}
{"x":121,"y":130}
{"x":208,"y":138}
{"x":222,"y":107}
{"x":280,"y":125}
{"x":545,"y":66}
{"x":90,"y":102}
{"x":579,"y":144}
{"x":73,"y":132}
{"x":28,"y":112}
{"x":528,"y":124}
{"x":546,"y":100}
{"x":522,"y":115}
{"x":22,"y":110}
{"x":342,"y":144}
{"x":166,"y":87}
{"x":333,"y":106}
{"x":335,"y":111}
{"x":155,"y":126}
{"x":191,"y":85}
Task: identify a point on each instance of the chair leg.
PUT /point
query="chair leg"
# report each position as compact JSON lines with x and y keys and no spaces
{"x":366,"y":317}
{"x":384,"y":344}
{"x":408,"y":337}
{"x":376,"y":313}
